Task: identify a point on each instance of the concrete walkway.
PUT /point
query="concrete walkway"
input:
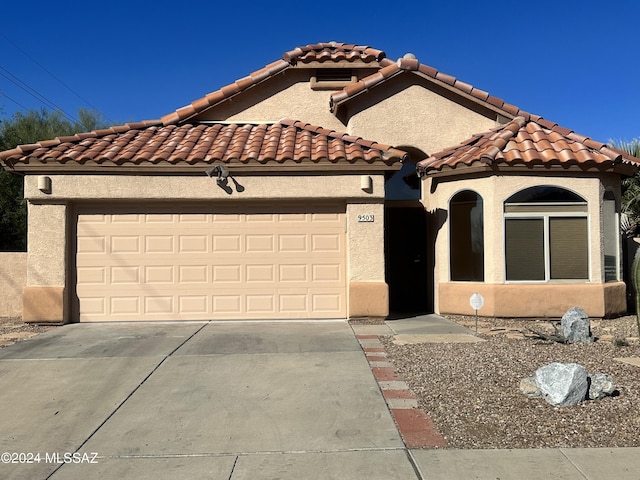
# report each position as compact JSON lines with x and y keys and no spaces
{"x":261,"y":400}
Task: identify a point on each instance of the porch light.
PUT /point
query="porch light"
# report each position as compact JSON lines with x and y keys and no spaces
{"x":44,"y":184}
{"x":220,"y":171}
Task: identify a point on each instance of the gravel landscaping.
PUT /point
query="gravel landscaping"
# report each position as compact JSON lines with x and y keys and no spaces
{"x":13,"y":330}
{"x":471,"y":390}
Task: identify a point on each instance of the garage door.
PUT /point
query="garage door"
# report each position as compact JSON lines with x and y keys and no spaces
{"x":193,"y":265}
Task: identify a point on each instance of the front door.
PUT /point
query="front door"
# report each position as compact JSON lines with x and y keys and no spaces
{"x":407,"y":263}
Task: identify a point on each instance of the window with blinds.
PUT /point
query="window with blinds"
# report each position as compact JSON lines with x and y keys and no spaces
{"x":546,"y":235}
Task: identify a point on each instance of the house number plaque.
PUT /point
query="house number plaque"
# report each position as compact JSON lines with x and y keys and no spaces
{"x":365,"y":218}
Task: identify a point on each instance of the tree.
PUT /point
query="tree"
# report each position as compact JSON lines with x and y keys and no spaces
{"x":20,"y":129}
{"x":630,"y":188}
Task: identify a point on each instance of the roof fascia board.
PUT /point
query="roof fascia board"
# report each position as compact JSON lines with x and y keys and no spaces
{"x":258,"y":169}
{"x":448,"y":173}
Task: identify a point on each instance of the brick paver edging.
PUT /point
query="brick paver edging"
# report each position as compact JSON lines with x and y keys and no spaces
{"x":416,"y":428}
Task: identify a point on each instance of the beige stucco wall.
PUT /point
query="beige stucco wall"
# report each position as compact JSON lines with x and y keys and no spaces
{"x":51,"y":216}
{"x":201,"y":187}
{"x":403,"y":112}
{"x":47,"y":244}
{"x":494,"y":191}
{"x":415,"y":116}
{"x":43,"y":298}
{"x":549,"y":300}
{"x":13,"y":278}
{"x":289,"y":95}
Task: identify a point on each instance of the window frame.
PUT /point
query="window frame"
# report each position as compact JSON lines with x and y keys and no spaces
{"x":617,"y":236}
{"x":546,"y":211}
{"x":479,"y":201}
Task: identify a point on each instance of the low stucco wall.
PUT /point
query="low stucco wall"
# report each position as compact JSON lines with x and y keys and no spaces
{"x":13,"y":278}
{"x":551,"y":300}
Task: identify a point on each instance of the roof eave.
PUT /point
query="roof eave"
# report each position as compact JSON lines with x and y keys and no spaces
{"x":475,"y":168}
{"x":199,"y":168}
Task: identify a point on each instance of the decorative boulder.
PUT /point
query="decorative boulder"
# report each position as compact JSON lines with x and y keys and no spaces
{"x":601,"y":385}
{"x":576,"y":326}
{"x":562,"y":384}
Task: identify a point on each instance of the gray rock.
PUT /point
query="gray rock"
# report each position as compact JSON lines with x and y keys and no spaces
{"x":601,"y":385}
{"x":529,"y":387}
{"x":562,"y":384}
{"x":576,"y":326}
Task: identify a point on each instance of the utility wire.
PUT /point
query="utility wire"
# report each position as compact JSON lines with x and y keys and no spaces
{"x":34,"y":93}
{"x":4,"y":95}
{"x":54,"y":77}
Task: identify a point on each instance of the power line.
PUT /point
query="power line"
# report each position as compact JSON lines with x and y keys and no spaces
{"x":34,"y":93}
{"x":54,"y":76}
{"x":4,"y":95}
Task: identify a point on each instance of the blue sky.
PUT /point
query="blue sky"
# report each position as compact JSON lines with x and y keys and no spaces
{"x":572,"y":62}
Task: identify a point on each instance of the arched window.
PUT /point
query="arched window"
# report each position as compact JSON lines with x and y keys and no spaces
{"x":546,"y":235}
{"x":466,"y":237}
{"x":610,"y":226}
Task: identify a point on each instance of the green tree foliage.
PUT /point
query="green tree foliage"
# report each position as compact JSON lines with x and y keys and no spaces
{"x":20,"y":129}
{"x":630,"y":188}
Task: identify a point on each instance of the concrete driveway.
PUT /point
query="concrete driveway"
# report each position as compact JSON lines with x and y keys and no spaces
{"x":196,"y":400}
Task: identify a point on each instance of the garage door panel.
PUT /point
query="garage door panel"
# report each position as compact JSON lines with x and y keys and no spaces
{"x":229,"y":305}
{"x":197,"y":265}
{"x":92,"y":244}
{"x":159,"y":274}
{"x":225,"y":244}
{"x":227,"y":273}
{"x":164,"y":244}
{"x":125,"y":305}
{"x":294,"y":272}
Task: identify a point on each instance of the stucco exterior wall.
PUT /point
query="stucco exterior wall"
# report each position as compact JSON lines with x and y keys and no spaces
{"x":201,"y":187}
{"x":494,"y":191}
{"x":289,"y":95}
{"x":412,"y":114}
{"x":551,"y":300}
{"x":13,"y":278}
{"x":415,"y":116}
{"x":43,"y":298}
{"x":51,"y":216}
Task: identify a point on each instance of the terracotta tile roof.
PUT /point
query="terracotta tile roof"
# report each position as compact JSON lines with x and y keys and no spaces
{"x":319,"y":52}
{"x":531,"y":144}
{"x":333,"y":52}
{"x":390,"y":69}
{"x":287,"y":143}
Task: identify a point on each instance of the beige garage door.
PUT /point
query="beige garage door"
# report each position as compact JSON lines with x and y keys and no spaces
{"x":193,"y":265}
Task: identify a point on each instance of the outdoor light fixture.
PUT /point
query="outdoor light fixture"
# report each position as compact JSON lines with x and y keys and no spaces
{"x":220,"y":171}
{"x":44,"y":184}
{"x":366,"y":183}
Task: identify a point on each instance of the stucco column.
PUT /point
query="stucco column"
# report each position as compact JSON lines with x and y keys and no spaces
{"x":43,"y":299}
{"x":368,"y":291}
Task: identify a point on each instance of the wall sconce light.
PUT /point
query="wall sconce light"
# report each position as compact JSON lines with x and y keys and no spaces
{"x":221,"y":172}
{"x":366,"y":183}
{"x":44,"y":184}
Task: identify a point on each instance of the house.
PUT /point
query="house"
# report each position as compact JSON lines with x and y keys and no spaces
{"x":332,"y":183}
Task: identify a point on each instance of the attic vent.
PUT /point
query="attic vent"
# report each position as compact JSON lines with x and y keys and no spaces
{"x":332,"y":78}
{"x":333,"y":75}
